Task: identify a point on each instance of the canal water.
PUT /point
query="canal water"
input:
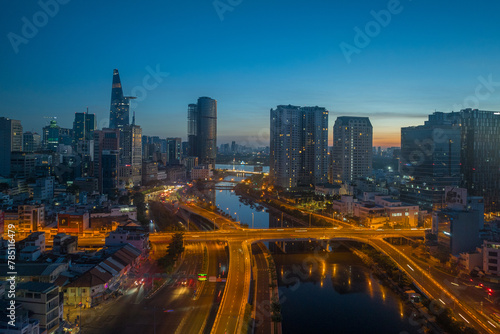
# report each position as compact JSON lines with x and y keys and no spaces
{"x":323,"y":292}
{"x":335,"y":293}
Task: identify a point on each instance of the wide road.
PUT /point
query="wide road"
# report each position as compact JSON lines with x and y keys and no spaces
{"x":291,"y":233}
{"x":165,"y":312}
{"x":464,"y":289}
{"x":207,"y":303}
{"x":435,"y":290}
{"x":263,"y":324}
{"x":230,"y":316}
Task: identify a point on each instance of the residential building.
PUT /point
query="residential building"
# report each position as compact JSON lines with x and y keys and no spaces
{"x":201,"y":173}
{"x":31,"y":217}
{"x":36,"y":239}
{"x":352,"y":149}
{"x":40,"y":272}
{"x":491,"y":257}
{"x":43,"y":189}
{"x":64,"y":244}
{"x":89,"y":288}
{"x":43,"y":300}
{"x":299,"y":146}
{"x":23,"y":324}
{"x":120,"y":236}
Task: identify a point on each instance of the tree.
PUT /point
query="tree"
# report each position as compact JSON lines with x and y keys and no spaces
{"x":176,"y":246}
{"x":139,"y":202}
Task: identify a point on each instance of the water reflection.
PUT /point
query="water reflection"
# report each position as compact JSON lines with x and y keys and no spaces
{"x":334,"y":292}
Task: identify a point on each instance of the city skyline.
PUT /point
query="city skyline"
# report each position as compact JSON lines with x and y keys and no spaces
{"x":402,"y":74}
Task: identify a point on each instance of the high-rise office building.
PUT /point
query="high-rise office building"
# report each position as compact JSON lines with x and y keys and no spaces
{"x":299,"y":146}
{"x":479,"y":153}
{"x":430,"y":161}
{"x":352,"y":148}
{"x":192,"y":130}
{"x":109,"y":171}
{"x":119,"y":115}
{"x":131,"y":155}
{"x":84,"y":126}
{"x":32,"y":141}
{"x":202,"y":130}
{"x":108,"y":141}
{"x":11,"y":140}
{"x":51,"y":136}
{"x":480,"y":156}
{"x":174,"y":151}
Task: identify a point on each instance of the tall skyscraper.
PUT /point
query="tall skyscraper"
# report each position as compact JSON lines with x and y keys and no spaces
{"x":51,"y":136}
{"x":84,"y":126}
{"x":11,"y":140}
{"x":192,"y":130}
{"x":202,"y":130}
{"x":32,"y":141}
{"x":119,"y":115}
{"x":174,"y":151}
{"x":352,"y":148}
{"x":106,"y":143}
{"x":131,"y":155}
{"x":430,"y":161}
{"x":299,"y":146}
{"x":479,"y":153}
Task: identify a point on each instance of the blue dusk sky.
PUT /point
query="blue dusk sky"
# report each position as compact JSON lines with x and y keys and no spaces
{"x":251,"y":56}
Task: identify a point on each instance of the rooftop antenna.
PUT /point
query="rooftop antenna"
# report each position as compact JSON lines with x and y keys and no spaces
{"x":133,"y":118}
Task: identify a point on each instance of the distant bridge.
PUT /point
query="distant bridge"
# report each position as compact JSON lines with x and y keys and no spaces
{"x":240,"y":172}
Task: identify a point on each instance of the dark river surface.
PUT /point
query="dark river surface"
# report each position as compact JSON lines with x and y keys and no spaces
{"x":335,"y":293}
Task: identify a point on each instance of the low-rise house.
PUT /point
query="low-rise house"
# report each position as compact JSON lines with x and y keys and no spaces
{"x":42,"y":299}
{"x":122,"y":236}
{"x":42,"y":272}
{"x":92,"y":286}
{"x":64,"y":244}
{"x":23,"y":324}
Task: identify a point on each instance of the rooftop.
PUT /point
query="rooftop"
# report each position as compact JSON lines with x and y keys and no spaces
{"x":36,"y":287}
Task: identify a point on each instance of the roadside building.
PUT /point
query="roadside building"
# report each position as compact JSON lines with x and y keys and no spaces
{"x":43,"y":300}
